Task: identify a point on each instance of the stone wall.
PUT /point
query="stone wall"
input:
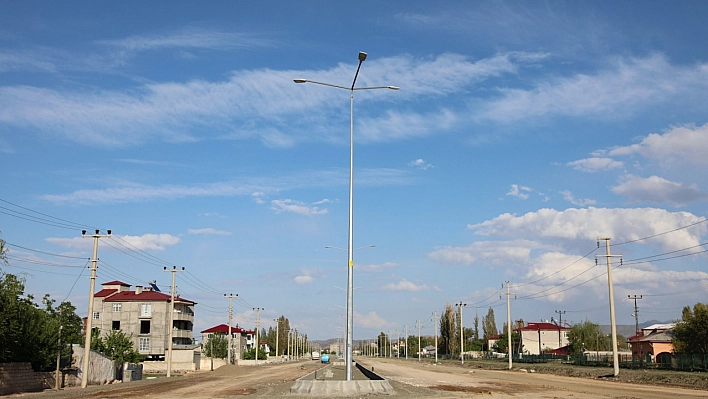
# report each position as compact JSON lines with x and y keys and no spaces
{"x":19,"y":377}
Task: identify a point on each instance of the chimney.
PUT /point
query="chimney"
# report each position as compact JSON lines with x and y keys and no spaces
{"x":138,"y":289}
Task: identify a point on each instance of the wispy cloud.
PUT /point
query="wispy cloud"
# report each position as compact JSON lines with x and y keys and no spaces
{"x":568,"y":196}
{"x":420,"y":164}
{"x":658,"y":190}
{"x":157,"y":242}
{"x":595,"y":164}
{"x":616,"y":92}
{"x":405,"y":285}
{"x":289,"y":205}
{"x":519,"y":191}
{"x":209,"y":231}
{"x":191,"y":38}
{"x":375,"y":268}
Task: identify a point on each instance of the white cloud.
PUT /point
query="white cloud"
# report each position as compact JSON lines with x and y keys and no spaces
{"x":289,"y":205}
{"x":595,"y":164}
{"x":587,"y":224}
{"x":568,"y":196}
{"x":193,"y":38}
{"x":404,"y":285}
{"x":376,"y":268}
{"x":420,"y":164}
{"x":679,"y":144}
{"x":369,"y":320}
{"x":157,"y":242}
{"x":629,"y":85}
{"x":303,"y":279}
{"x":516,"y":191}
{"x":498,"y":253}
{"x":209,"y":231}
{"x":658,"y":190}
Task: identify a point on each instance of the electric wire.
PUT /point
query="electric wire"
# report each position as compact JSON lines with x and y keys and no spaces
{"x":43,"y":252}
{"x":659,"y":234}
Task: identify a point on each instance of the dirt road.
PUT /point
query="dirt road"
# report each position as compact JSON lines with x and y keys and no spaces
{"x":460,"y":382}
{"x":411,"y":380}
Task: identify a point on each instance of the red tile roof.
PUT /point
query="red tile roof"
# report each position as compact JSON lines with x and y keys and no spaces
{"x":104,"y":292}
{"x":116,"y":282}
{"x":145,"y":296}
{"x":224,"y":329}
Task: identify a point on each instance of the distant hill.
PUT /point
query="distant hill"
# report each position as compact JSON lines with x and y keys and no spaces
{"x":628,"y":330}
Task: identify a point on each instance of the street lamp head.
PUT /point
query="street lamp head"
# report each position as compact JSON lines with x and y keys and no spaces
{"x":300,"y":80}
{"x":393,"y":87}
{"x":362,"y":56}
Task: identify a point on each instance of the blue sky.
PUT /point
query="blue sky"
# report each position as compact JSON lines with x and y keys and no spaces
{"x":522,"y":132}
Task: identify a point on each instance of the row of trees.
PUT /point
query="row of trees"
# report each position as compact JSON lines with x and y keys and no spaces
{"x":36,"y":333}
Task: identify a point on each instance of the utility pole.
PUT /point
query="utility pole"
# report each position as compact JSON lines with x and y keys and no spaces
{"x":508,"y":321}
{"x":277,"y":336}
{"x":418,"y":321}
{"x":607,"y":256}
{"x":398,"y":344}
{"x":406,"y":327}
{"x":89,"y":316}
{"x":288,"y":332}
{"x":462,"y":332}
{"x":231,"y":315}
{"x":435,"y":326}
{"x":56,"y":375}
{"x":636,"y":313}
{"x":560,"y":324}
{"x":172,"y":318}
{"x":258,"y":320}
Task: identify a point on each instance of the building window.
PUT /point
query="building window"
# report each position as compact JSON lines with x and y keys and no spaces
{"x":144,"y":344}
{"x":115,"y":325}
{"x":116,"y":307}
{"x":144,"y":326}
{"x":95,"y":316}
{"x":145,"y":309}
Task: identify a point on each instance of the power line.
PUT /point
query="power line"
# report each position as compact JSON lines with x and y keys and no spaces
{"x":660,"y":234}
{"x":43,"y":252}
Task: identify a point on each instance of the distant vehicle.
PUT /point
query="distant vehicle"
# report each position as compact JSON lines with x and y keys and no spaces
{"x":325,"y":358}
{"x":315,"y":355}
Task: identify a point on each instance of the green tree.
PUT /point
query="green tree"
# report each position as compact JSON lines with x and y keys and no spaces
{"x":217,"y":346}
{"x":448,"y":342}
{"x":587,"y":336}
{"x":475,"y":334}
{"x":489,"y":325}
{"x":3,"y":252}
{"x":384,"y":344}
{"x":283,"y":328}
{"x":503,"y":342}
{"x":251,"y":354}
{"x":27,"y":332}
{"x":691,"y":333}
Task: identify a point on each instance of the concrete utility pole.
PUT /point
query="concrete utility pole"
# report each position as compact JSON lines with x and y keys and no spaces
{"x":89,"y":316}
{"x":231,"y":315}
{"x":398,"y":344}
{"x":289,"y":354}
{"x":560,"y":324}
{"x":510,"y":342}
{"x":419,"y":353}
{"x":435,"y":326}
{"x":277,"y":336}
{"x":258,"y":320}
{"x":462,"y":332}
{"x":56,"y":375}
{"x":636,"y":313}
{"x":172,"y":318}
{"x":406,"y":327}
{"x":607,"y":256}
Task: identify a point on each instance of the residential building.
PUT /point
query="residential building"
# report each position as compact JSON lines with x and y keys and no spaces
{"x":241,"y":340}
{"x":537,"y":338}
{"x":144,"y":315}
{"x":653,"y":342}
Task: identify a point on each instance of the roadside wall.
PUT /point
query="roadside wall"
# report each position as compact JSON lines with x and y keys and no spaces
{"x":102,"y":370}
{"x":205,"y":363}
{"x":19,"y":377}
{"x":183,"y":360}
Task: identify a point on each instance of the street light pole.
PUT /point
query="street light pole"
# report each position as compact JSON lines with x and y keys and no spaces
{"x":350,"y":246}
